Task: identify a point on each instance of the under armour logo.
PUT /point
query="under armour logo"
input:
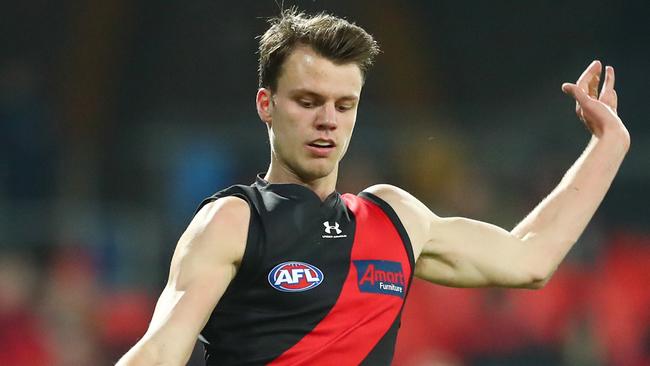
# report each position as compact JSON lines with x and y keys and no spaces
{"x":329,"y":228}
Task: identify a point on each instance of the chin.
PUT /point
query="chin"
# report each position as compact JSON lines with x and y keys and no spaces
{"x":316,"y":171}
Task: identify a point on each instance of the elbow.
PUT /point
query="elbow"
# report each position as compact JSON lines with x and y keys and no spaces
{"x":540,"y":274}
{"x":144,"y":352}
{"x":544,"y":262}
{"x":537,"y":283}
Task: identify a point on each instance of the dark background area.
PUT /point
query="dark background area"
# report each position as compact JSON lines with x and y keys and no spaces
{"x":117,"y":117}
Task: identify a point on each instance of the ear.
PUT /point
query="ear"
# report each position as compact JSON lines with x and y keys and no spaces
{"x":264,"y":105}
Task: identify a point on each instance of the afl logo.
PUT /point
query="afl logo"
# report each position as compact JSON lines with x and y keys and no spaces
{"x":295,"y":277}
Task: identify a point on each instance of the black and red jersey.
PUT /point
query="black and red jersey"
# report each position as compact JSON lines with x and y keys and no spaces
{"x":320,"y":283}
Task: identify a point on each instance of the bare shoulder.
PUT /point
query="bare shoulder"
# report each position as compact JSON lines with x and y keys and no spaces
{"x":400,"y":200}
{"x":216,"y":236}
{"x":413,"y":214}
{"x":231,"y":213}
{"x":387,"y":192}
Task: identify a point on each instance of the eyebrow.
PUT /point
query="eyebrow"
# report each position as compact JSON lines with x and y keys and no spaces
{"x":313,"y":94}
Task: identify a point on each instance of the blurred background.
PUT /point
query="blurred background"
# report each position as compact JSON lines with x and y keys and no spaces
{"x":117,"y":117}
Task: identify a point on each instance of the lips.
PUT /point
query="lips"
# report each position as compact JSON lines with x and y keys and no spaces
{"x":323,"y":143}
{"x":321,"y":147}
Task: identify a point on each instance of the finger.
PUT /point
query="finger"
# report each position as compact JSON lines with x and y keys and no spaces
{"x":610,"y":78}
{"x":610,"y":98}
{"x":593,"y":85}
{"x":590,"y":78}
{"x":576,"y":92}
{"x":607,"y":93}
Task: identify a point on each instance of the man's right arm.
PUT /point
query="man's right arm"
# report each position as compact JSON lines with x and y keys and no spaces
{"x":205,"y":261}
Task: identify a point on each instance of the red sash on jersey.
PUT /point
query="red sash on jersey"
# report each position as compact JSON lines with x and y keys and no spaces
{"x":370,"y":300}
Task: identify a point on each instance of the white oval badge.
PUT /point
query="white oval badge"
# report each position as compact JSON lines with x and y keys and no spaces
{"x":295,"y":276}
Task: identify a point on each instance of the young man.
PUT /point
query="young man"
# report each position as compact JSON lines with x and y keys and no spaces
{"x":288,"y":271}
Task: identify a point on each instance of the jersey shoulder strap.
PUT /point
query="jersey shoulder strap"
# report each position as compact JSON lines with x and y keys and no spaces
{"x":247,"y":193}
{"x":397,"y":223}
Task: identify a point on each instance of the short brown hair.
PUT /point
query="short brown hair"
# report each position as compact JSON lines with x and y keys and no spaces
{"x":332,"y":37}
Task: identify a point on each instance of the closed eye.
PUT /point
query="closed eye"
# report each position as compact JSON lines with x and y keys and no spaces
{"x":306,"y":103}
{"x":344,"y":107}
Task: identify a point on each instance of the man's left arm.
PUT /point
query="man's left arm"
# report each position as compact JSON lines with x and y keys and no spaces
{"x":563,"y":215}
{"x":468,"y":253}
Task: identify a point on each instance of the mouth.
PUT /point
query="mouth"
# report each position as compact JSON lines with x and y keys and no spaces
{"x":323,"y":143}
{"x":321,"y":147}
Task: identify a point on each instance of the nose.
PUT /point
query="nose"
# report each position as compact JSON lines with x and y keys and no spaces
{"x":327,"y":117}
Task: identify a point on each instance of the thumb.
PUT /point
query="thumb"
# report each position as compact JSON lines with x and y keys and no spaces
{"x":576,"y":92}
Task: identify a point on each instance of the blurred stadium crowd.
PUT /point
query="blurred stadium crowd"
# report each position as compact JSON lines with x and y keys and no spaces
{"x":117,"y":117}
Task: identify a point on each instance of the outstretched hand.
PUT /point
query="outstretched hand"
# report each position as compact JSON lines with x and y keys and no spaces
{"x":597,"y":110}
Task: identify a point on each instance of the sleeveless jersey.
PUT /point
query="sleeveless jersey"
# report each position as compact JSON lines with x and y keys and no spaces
{"x":320,"y":282}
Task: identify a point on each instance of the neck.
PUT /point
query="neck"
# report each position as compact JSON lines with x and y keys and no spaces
{"x":323,"y":186}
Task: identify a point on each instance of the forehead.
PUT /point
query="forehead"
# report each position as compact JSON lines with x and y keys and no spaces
{"x":305,"y":69}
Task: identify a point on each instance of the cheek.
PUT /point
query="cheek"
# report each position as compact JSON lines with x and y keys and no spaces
{"x":286,"y":133}
{"x":296,"y":123}
{"x":348,"y":127}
